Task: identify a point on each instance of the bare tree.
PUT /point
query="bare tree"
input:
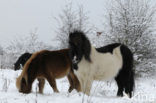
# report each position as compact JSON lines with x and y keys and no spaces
{"x":83,"y":20}
{"x":70,"y":20}
{"x":16,"y":45}
{"x":1,"y":56}
{"x":33,"y":44}
{"x":132,"y":22}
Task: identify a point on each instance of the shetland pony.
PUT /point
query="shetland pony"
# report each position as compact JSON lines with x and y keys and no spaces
{"x":111,"y":61}
{"x":21,"y":60}
{"x":49,"y":65}
{"x":20,"y":63}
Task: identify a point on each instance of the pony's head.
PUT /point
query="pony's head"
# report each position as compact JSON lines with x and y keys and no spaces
{"x":21,"y":61}
{"x":79,"y":46}
{"x":24,"y":81}
{"x":22,"y":84}
{"x":17,"y":66}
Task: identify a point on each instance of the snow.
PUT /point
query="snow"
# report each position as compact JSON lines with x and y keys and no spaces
{"x":102,"y":92}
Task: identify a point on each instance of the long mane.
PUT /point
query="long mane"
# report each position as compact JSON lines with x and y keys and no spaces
{"x":79,"y":39}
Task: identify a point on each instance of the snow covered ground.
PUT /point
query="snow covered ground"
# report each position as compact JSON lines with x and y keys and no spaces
{"x":102,"y":92}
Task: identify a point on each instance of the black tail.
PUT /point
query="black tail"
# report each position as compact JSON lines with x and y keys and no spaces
{"x":125,"y":78}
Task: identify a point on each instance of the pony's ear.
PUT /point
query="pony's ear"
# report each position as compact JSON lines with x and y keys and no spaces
{"x":87,"y":49}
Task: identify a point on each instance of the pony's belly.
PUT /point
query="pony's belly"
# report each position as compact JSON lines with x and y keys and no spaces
{"x":107,"y":70}
{"x":106,"y":74}
{"x":107,"y":65}
{"x":62,"y":73}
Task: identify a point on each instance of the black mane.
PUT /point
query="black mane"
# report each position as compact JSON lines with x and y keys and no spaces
{"x":108,"y":48}
{"x":79,"y":45}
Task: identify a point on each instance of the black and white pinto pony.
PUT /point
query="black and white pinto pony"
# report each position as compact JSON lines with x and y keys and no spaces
{"x":111,"y":61}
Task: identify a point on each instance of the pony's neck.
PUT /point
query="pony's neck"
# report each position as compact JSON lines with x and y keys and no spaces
{"x":93,"y":52}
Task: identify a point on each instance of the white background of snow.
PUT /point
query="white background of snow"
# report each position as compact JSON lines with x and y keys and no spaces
{"x":102,"y":92}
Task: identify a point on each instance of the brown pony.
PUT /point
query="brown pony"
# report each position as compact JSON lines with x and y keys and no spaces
{"x":48,"y":65}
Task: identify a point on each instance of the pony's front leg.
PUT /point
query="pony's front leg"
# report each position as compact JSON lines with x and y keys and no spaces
{"x":87,"y":87}
{"x":41,"y":84}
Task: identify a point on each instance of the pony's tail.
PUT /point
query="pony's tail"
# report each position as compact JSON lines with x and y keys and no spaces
{"x":127,"y":69}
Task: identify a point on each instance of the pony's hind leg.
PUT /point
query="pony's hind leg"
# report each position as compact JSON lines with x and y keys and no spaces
{"x":129,"y":84}
{"x":126,"y":73}
{"x":125,"y":82}
{"x":71,"y":83}
{"x":52,"y":83}
{"x":41,"y":84}
{"x":120,"y":86}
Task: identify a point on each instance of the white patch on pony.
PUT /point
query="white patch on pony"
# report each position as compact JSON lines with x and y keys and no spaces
{"x":21,"y":66}
{"x":104,"y":66}
{"x":126,"y":95}
{"x":74,"y":59}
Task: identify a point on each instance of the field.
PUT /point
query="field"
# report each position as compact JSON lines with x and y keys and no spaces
{"x":102,"y":91}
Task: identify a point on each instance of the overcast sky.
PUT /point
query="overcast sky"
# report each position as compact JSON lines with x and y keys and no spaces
{"x":19,"y":17}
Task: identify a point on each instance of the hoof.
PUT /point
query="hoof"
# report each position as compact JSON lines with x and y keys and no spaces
{"x":70,"y":89}
{"x":120,"y":94}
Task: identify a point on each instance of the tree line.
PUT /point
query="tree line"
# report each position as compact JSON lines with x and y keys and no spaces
{"x":131,"y":22}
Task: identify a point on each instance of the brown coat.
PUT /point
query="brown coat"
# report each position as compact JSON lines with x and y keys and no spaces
{"x":50,"y":65}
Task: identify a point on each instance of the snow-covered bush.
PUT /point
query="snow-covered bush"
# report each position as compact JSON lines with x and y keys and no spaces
{"x":132,"y":23}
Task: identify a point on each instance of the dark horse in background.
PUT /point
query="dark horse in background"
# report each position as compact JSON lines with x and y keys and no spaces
{"x":22,"y":60}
